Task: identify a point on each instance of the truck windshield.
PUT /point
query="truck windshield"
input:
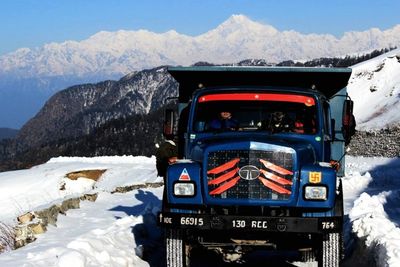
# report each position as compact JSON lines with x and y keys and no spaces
{"x":272,"y":112}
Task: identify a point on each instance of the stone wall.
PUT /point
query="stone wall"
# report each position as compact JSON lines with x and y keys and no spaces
{"x":382,"y":143}
{"x":36,"y":222}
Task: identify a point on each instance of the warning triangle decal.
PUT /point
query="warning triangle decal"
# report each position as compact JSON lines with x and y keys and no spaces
{"x":184,"y":175}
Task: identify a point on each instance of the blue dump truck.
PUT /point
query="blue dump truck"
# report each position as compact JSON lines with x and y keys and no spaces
{"x":270,"y":180}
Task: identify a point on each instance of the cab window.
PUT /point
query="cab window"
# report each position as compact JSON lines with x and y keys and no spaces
{"x":257,"y":112}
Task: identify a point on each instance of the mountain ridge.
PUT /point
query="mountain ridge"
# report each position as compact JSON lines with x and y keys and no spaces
{"x":79,"y":109}
{"x":120,"y":51}
{"x":32,"y":75}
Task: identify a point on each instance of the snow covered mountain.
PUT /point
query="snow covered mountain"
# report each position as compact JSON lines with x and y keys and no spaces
{"x":34,"y":74}
{"x":375,"y":88}
{"x":236,"y":39}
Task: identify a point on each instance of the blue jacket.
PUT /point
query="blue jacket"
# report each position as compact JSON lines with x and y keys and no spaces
{"x":228,"y":124}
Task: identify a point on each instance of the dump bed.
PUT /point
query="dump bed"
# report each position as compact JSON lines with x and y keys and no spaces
{"x":326,"y":80}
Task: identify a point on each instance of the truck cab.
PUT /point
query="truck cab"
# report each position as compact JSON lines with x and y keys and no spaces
{"x":271,"y":176}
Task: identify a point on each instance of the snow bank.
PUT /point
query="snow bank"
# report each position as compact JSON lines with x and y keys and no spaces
{"x":111,"y":246}
{"x":102,"y":247}
{"x":370,"y":222}
{"x":371,"y":191}
{"x":104,"y":160}
{"x":108,"y":232}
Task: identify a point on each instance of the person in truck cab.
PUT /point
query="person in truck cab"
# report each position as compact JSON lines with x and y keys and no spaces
{"x":166,"y":154}
{"x":279,"y":122}
{"x":224,"y":122}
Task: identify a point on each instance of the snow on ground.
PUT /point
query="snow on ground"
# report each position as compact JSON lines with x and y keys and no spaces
{"x":113,"y":230}
{"x":97,"y":234}
{"x":374,"y":87}
{"x":25,"y":190}
{"x":372,"y":193}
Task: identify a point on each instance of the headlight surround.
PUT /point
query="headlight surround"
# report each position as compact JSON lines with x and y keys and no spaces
{"x":184,"y":189}
{"x":315,"y":192}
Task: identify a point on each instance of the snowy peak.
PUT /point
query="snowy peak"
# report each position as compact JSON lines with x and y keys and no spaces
{"x":240,"y":24}
{"x":375,"y":88}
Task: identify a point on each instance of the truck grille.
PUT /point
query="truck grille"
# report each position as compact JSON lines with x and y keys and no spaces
{"x":250,"y":174}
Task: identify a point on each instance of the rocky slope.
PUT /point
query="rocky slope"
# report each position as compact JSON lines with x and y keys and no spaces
{"x":378,"y":143}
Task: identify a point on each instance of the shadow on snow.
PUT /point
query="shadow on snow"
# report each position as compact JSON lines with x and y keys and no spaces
{"x":387,"y":178}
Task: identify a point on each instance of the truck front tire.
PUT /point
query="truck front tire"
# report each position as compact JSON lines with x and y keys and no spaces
{"x":177,"y":251}
{"x":332,"y":243}
{"x":331,"y":251}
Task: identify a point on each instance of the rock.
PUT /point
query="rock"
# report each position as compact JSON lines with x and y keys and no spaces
{"x":23,"y":236}
{"x":89,"y":197}
{"x":25,"y":218}
{"x":37,"y":228}
{"x":89,"y":174}
{"x":72,"y":203}
{"x":49,"y":215}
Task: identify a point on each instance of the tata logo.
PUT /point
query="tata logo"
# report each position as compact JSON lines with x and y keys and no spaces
{"x":249,"y":172}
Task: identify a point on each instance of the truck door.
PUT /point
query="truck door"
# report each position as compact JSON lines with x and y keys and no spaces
{"x":338,"y":148}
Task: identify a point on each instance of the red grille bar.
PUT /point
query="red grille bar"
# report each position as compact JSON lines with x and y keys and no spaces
{"x":276,"y":178}
{"x":223,"y":177}
{"x":224,"y":167}
{"x":275,"y":168}
{"x":225,"y":186}
{"x":274,"y":186}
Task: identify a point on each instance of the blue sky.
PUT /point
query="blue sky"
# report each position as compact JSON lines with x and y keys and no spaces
{"x":31,"y":23}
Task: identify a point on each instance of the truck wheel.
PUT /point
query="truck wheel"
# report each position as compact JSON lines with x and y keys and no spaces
{"x":308,"y":255}
{"x":330,"y":250}
{"x":177,"y":251}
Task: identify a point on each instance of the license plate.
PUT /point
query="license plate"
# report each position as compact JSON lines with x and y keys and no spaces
{"x":253,"y":223}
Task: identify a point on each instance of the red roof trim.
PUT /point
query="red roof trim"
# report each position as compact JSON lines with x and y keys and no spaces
{"x":308,"y":101}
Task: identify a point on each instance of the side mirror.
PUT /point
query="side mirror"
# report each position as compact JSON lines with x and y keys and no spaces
{"x":169,"y":123}
{"x":333,"y":131}
{"x":349,"y":122}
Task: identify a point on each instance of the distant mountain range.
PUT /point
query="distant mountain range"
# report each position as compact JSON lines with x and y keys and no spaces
{"x":28,"y":77}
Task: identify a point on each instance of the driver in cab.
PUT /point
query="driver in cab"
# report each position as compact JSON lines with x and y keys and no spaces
{"x":224,"y":122}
